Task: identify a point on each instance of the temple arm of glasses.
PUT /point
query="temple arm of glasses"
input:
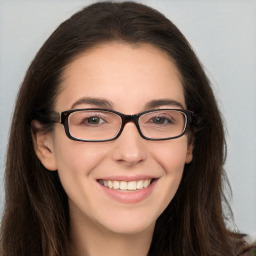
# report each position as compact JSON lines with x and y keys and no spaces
{"x":54,"y":117}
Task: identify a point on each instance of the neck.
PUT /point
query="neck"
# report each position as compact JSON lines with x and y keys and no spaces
{"x":88,"y":239}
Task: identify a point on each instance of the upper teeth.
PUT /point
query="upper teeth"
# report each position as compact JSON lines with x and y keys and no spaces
{"x":124,"y":185}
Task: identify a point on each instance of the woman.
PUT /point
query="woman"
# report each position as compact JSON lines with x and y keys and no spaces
{"x":117,"y":144}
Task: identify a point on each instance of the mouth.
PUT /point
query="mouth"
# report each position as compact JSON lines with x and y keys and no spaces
{"x":128,"y":190}
{"x":127,"y":186}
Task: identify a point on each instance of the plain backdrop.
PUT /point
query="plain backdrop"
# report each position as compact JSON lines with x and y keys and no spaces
{"x":222,"y":33}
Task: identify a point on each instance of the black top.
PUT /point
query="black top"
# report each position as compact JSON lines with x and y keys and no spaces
{"x":250,"y":252}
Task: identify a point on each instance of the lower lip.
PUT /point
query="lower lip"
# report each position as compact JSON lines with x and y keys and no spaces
{"x":130,"y":197}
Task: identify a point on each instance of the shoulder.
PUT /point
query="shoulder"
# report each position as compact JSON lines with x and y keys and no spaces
{"x":249,"y":252}
{"x":251,"y":249}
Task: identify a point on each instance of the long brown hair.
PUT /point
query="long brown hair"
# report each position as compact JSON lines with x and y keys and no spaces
{"x":36,"y":218}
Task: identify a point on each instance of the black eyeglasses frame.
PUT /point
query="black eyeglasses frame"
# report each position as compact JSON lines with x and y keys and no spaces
{"x":62,"y":118}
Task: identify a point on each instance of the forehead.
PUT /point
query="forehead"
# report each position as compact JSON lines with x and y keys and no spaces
{"x":123,"y":73}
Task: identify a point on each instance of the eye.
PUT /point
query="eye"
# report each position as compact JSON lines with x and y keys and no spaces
{"x":161,"y":120}
{"x":94,"y":120}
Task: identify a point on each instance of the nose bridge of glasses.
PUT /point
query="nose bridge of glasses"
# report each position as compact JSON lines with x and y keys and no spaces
{"x":129,"y":119}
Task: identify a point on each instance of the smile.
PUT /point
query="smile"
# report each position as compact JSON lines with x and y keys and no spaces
{"x":126,"y":185}
{"x":128,"y":190}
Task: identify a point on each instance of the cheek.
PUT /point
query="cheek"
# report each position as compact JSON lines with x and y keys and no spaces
{"x":171,"y":155}
{"x":76,"y":162}
{"x":76,"y":159}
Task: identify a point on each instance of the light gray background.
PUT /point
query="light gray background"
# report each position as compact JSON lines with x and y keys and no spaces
{"x":223,"y":34}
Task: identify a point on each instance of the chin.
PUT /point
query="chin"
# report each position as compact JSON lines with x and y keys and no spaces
{"x":130,"y":229}
{"x":128,"y":223}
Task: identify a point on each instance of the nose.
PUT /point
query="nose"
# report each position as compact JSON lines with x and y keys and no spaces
{"x":130,"y":148}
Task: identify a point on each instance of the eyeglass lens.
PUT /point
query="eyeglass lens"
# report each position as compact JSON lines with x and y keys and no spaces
{"x":104,"y":125}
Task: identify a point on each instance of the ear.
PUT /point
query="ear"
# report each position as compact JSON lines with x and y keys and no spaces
{"x":189,"y":156}
{"x":43,"y":146}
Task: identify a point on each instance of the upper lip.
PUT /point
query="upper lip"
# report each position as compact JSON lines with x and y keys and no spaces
{"x":128,"y":178}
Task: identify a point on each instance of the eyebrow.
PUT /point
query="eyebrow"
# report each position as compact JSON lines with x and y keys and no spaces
{"x":98,"y":102}
{"x":163,"y":102}
{"x":103,"y":103}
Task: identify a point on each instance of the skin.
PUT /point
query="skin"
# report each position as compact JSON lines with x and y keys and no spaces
{"x":128,"y":76}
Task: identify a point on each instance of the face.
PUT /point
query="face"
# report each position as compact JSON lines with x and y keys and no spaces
{"x":126,"y":79}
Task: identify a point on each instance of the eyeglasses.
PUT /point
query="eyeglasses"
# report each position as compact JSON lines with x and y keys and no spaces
{"x":98,"y":125}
